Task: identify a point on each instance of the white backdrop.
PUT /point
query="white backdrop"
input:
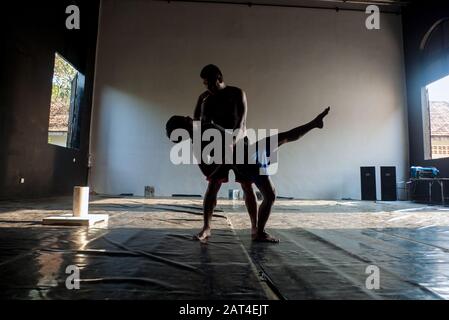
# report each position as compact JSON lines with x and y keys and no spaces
{"x":291,"y":62}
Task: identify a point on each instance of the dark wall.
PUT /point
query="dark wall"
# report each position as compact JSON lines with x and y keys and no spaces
{"x":32,"y":32}
{"x":423,"y":67}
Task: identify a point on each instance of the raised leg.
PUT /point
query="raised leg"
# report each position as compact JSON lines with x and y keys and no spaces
{"x":296,"y":133}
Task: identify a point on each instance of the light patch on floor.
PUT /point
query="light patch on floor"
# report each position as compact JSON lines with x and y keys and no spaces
{"x":285,"y":214}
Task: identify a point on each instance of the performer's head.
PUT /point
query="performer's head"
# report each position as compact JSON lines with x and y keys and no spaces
{"x":212,"y":77}
{"x":179,"y":122}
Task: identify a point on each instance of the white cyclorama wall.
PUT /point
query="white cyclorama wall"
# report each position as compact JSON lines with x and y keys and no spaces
{"x":292,"y":63}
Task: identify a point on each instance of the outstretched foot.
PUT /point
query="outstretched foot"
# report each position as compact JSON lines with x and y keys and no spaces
{"x":203,"y":235}
{"x":264,"y":237}
{"x":319,"y":119}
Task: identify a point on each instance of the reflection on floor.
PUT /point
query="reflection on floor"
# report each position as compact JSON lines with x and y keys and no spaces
{"x":147,"y":251}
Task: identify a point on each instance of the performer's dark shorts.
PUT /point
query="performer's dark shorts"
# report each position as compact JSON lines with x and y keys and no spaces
{"x":243,"y":173}
{"x":246,"y":172}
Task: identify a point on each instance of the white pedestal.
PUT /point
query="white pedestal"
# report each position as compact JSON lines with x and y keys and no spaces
{"x":80,"y":201}
{"x":80,"y":216}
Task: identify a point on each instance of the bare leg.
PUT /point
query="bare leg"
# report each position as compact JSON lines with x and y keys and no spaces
{"x":296,"y":133}
{"x":251,"y":205}
{"x":269,"y":196}
{"x":210,"y":201}
{"x":264,"y":182}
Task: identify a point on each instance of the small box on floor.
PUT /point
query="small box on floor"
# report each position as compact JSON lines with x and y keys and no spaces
{"x":234,"y":194}
{"x":149,"y":192}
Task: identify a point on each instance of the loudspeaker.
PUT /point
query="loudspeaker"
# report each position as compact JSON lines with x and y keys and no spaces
{"x":368,"y":182}
{"x":388,"y":183}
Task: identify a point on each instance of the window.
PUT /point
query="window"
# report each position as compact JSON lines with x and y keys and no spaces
{"x":66,"y":95}
{"x":436,"y":119}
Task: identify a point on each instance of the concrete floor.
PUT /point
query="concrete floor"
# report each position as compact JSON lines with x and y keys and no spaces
{"x":146,"y":251}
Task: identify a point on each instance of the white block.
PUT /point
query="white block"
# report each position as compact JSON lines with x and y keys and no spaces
{"x":69,"y":220}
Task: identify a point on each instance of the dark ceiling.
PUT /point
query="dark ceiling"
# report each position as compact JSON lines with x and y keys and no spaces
{"x":359,"y":5}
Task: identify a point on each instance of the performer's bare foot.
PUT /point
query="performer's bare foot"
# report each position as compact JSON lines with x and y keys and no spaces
{"x":253,"y":232}
{"x":203,"y":235}
{"x":319,"y":119}
{"x":265,"y":237}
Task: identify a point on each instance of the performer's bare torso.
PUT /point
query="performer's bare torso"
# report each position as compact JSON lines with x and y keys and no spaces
{"x":223,"y":107}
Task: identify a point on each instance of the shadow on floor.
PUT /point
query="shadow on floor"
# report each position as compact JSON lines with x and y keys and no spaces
{"x":138,"y":263}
